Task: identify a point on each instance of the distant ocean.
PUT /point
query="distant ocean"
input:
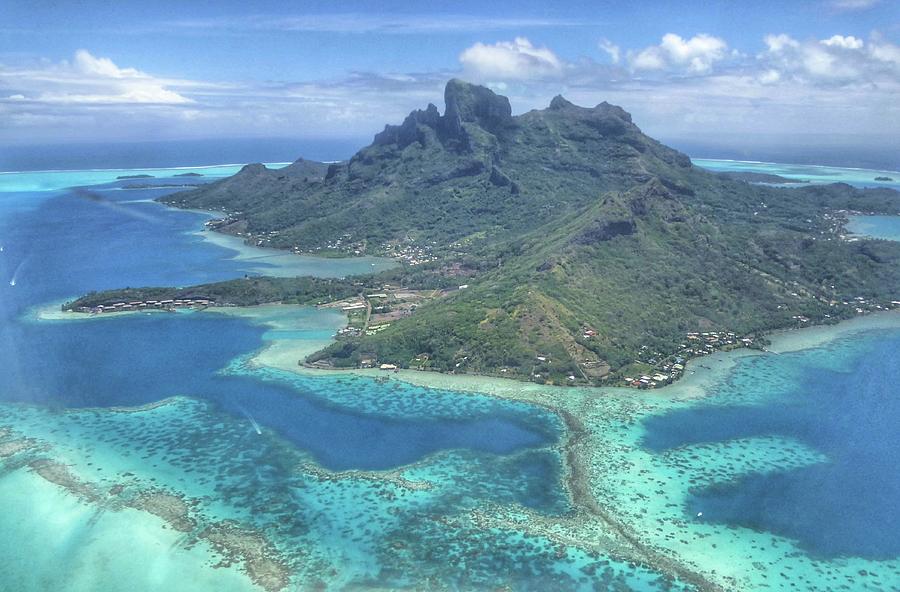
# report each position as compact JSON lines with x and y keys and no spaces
{"x":136,"y":155}
{"x":132,"y":155}
{"x":858,"y":153}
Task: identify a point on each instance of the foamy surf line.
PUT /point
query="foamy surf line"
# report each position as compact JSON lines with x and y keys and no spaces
{"x":168,"y":168}
{"x":789,"y":164}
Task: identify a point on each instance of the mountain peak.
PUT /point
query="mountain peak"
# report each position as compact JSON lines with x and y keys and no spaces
{"x":559,"y":102}
{"x":471,"y":103}
{"x":614,"y":110}
{"x":255,"y":168}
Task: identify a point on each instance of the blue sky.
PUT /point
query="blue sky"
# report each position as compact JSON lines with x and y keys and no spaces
{"x":136,"y":70}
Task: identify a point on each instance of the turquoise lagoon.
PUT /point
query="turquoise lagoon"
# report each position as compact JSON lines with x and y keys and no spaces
{"x":806,"y":173}
{"x":883,"y":227}
{"x":157,"y":434}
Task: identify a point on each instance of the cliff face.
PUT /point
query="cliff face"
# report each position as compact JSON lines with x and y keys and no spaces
{"x":465,"y":105}
{"x":477,"y":162}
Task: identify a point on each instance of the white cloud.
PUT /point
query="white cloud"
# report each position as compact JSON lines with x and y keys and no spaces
{"x":102,"y":67}
{"x":349,"y":22}
{"x":776,"y":43}
{"x":87,"y":80}
{"x":355,"y":106}
{"x":695,"y":55}
{"x":838,"y":60}
{"x":770,"y":76}
{"x":511,"y":60}
{"x":841,"y":84}
{"x":848,"y":42}
{"x":611,"y":49}
{"x":851,"y":5}
{"x":887,"y":53}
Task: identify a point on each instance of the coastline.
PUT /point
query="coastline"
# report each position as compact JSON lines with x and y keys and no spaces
{"x":868,"y":227}
{"x":598,"y":419}
{"x":287,"y":353}
{"x":700,"y":373}
{"x":283,"y":263}
{"x":792,"y":340}
{"x":55,"y":180}
{"x":145,"y":169}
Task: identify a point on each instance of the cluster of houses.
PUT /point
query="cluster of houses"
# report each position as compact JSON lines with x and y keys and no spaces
{"x":385,"y":307}
{"x":703,"y":343}
{"x":862,"y":305}
{"x":410,"y":253}
{"x":651,"y":381}
{"x":168,"y":304}
{"x":373,"y":329}
{"x":372,"y":362}
{"x":219,"y":223}
{"x":262,"y":239}
{"x":342,"y":244}
{"x":696,"y":344}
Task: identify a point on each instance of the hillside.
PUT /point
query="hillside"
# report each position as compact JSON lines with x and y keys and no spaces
{"x":588,"y":249}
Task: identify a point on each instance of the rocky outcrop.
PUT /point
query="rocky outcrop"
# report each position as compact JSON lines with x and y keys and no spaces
{"x":469,"y":169}
{"x":604,"y":230}
{"x":411,"y":129}
{"x":468,"y":103}
{"x":255,"y":169}
{"x":559,"y":103}
{"x":308,"y":170}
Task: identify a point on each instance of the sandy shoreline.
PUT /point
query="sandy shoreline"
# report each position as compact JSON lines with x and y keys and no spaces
{"x":700,"y":373}
{"x":278,"y":262}
{"x":286,"y":354}
{"x":282,"y":263}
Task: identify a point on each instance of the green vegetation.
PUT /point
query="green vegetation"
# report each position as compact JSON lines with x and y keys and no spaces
{"x":588,"y":250}
{"x":243,"y":292}
{"x":751,"y":177}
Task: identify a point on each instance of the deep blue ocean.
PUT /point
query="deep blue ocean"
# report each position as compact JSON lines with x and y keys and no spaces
{"x":134,"y":155}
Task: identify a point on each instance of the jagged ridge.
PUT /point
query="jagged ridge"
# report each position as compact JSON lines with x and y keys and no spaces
{"x":561,"y":220}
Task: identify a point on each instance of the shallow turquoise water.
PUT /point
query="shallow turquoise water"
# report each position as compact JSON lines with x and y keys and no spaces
{"x":807,"y":173}
{"x":885,"y":227}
